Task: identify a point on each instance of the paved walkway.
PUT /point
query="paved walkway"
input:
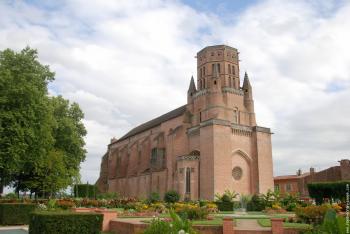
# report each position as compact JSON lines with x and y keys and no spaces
{"x":249,"y":224}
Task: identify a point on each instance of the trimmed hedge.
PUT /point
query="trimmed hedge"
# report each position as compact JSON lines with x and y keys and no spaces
{"x":335,"y":190}
{"x":65,"y":222}
{"x":225,"y":206}
{"x":85,"y":190}
{"x":15,"y":213}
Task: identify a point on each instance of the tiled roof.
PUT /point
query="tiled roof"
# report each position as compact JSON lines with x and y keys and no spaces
{"x":286,"y":177}
{"x":154,"y":122}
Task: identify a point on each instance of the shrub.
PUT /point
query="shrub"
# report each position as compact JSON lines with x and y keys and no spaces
{"x":158,"y":226}
{"x":227,"y":196}
{"x":65,"y":222}
{"x":256,"y":203}
{"x":65,"y":204}
{"x":11,"y":196}
{"x":191,"y":211}
{"x":153,"y":197}
{"x":13,"y":213}
{"x":171,"y":196}
{"x":177,"y":225}
{"x":312,"y":214}
{"x":225,"y":205}
{"x":332,"y":224}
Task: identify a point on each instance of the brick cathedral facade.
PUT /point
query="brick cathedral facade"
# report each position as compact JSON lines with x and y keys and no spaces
{"x":206,"y":146}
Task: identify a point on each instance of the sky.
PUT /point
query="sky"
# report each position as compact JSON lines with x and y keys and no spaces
{"x":125,"y":62}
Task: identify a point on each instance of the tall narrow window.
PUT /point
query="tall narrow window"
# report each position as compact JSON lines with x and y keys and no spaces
{"x":229,"y":82}
{"x":203,"y":71}
{"x":233,"y":70}
{"x":200,"y":116}
{"x":235,"y":116}
{"x":139,"y":158}
{"x":200,"y":84}
{"x":204,"y":83}
{"x":218,"y":67}
{"x":212,"y":69}
{"x":188,"y":180}
{"x":229,"y":68}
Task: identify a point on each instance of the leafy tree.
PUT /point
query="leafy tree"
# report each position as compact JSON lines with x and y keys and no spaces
{"x":41,"y":137}
{"x":25,"y":120}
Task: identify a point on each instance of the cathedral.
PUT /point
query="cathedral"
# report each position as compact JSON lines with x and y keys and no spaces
{"x":207,"y":146}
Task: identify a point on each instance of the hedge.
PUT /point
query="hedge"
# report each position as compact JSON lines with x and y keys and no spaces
{"x":85,"y":190}
{"x":321,"y":190}
{"x":45,"y":222}
{"x":15,"y":213}
{"x":225,"y":206}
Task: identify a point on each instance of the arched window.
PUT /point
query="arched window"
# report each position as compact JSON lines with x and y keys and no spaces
{"x":188,"y":180}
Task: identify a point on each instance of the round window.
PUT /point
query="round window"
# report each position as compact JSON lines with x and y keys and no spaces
{"x":237,"y":173}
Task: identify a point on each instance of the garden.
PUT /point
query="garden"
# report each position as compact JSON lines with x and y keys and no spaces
{"x":170,"y":215}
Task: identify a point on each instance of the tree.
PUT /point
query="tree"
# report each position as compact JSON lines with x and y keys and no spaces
{"x":41,"y":137}
{"x":25,"y":118}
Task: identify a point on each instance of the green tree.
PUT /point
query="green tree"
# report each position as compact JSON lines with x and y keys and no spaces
{"x":25,"y":120}
{"x":41,"y":137}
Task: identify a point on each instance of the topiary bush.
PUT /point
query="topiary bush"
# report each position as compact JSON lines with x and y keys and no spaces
{"x":171,"y":196}
{"x":65,"y":222}
{"x":256,"y":203}
{"x":225,"y":205}
{"x":15,"y":213}
{"x":153,"y":197}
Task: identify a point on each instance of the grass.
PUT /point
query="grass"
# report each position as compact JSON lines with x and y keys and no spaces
{"x":267,"y":223}
{"x":215,"y":222}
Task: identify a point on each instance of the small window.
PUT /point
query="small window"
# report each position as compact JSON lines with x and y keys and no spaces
{"x":214,"y":82}
{"x":288,"y":187}
{"x":277,"y":187}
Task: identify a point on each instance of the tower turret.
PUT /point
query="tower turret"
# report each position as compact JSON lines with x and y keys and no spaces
{"x":248,"y":99}
{"x":191,"y":90}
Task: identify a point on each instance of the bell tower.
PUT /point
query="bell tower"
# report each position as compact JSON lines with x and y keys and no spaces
{"x":218,"y":62}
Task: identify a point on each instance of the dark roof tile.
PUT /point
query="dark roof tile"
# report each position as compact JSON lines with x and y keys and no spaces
{"x":154,"y":122}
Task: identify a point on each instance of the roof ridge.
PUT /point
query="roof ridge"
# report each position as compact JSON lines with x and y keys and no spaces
{"x":154,"y":122}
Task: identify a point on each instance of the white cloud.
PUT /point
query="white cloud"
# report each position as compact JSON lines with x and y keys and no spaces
{"x":126,"y":62}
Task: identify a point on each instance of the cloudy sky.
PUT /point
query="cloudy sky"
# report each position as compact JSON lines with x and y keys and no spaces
{"x":126,"y":62}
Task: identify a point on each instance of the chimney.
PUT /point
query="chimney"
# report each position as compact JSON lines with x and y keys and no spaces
{"x":312,"y":170}
{"x":299,"y":172}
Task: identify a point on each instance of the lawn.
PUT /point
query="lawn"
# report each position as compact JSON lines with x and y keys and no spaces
{"x":267,"y":223}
